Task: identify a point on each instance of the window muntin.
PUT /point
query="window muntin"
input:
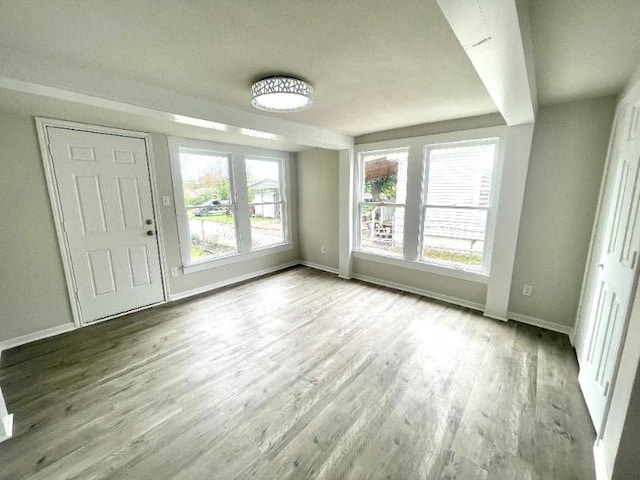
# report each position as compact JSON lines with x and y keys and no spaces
{"x":382,"y":197}
{"x":207,"y":194}
{"x":458,"y":179}
{"x":264,"y":190}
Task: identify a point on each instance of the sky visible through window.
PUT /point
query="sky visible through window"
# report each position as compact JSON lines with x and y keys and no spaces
{"x":195,"y":166}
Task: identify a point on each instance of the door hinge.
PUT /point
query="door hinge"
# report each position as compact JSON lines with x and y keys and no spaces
{"x":606,"y":389}
{"x":633,"y":260}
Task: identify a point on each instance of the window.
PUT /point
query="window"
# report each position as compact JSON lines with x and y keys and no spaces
{"x":207,"y":195}
{"x":457,"y":202}
{"x":265,"y":201}
{"x":427,"y":203}
{"x":383,"y":191}
{"x":230,"y":201}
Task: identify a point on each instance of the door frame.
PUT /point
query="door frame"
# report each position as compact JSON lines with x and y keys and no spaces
{"x":56,"y":207}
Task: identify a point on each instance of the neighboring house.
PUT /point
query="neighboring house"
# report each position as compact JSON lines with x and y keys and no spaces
{"x":266,"y":194}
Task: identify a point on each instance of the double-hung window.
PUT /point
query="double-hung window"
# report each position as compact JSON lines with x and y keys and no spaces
{"x":231,"y":201}
{"x":429,"y":202}
{"x":456,"y":205}
{"x":382,"y":196}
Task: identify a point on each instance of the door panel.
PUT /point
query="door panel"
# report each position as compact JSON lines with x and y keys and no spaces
{"x":101,"y":272}
{"x":105,"y":196}
{"x":129,"y":196}
{"x":89,"y":204}
{"x":139,"y":265}
{"x":613,"y":274}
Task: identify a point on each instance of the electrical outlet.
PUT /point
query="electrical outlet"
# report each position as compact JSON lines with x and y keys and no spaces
{"x":527,"y":290}
{"x":166,"y":201}
{"x":175,"y":271}
{"x":323,"y":249}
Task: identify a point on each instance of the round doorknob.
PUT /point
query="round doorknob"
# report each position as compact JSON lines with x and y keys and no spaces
{"x":151,"y":233}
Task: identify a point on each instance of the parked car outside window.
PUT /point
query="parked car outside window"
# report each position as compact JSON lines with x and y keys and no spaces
{"x":208,"y":207}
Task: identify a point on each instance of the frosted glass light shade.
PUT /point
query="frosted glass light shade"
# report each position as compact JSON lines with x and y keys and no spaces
{"x":281,"y":94}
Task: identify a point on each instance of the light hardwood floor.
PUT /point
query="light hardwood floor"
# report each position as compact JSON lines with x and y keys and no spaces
{"x":298,"y":375}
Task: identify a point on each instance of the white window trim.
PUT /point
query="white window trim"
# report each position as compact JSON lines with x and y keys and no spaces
{"x":491,"y":208}
{"x":237,"y":179}
{"x":417,"y":147}
{"x":236,"y":258}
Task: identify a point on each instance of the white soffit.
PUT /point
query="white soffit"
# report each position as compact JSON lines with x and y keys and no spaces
{"x":37,"y":75}
{"x":496,"y":37}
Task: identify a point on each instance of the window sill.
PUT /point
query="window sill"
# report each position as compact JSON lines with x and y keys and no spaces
{"x":459,"y":273}
{"x":236,"y":258}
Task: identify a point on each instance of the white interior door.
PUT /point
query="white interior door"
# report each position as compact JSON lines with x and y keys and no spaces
{"x":105,"y":197}
{"x":612,"y":276}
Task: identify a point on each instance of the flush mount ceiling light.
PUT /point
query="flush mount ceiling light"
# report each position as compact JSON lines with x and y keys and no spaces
{"x":281,"y":94}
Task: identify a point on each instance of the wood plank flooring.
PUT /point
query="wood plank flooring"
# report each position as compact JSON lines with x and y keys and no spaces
{"x":298,"y":375}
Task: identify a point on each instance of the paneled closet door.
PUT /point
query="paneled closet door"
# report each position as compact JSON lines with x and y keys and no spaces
{"x":613,"y":273}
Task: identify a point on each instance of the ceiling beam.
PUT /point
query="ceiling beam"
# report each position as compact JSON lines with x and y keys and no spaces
{"x":40,"y":76}
{"x":496,"y":36}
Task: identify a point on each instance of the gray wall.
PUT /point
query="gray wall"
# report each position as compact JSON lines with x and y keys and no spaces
{"x":633,"y":82}
{"x":565,"y":171}
{"x":481,"y":121}
{"x":318,"y":206}
{"x":33,"y":294}
{"x":472,"y":292}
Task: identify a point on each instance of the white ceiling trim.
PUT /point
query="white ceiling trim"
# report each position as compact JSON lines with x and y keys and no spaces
{"x":40,"y":76}
{"x":496,"y":36}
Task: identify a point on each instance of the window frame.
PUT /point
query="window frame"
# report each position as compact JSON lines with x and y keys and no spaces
{"x":239,"y":197}
{"x":284,"y":217}
{"x":490,"y":208}
{"x":359,"y":198}
{"x":416,"y":198}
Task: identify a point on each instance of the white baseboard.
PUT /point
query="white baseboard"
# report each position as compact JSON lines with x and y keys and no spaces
{"x":494,"y":317}
{"x":418,"y":291}
{"x":538,"y":322}
{"x":318,"y":266}
{"x":6,"y":421}
{"x":32,"y":337}
{"x":230,"y":281}
{"x":599,"y":462}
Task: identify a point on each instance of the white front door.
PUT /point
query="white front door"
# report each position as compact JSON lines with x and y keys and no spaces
{"x":613,"y":273}
{"x":109,"y":224}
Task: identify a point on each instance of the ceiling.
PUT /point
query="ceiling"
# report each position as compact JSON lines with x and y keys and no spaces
{"x":584,"y":48}
{"x":374,"y":64}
